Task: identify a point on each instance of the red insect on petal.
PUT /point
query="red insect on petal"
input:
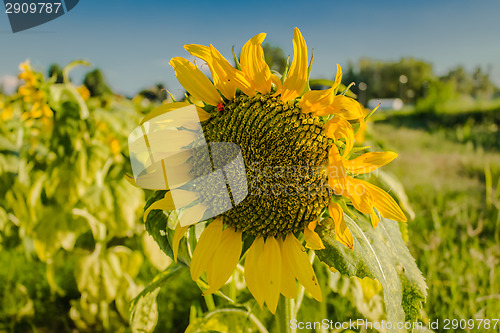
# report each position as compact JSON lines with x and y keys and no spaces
{"x":220,"y":107}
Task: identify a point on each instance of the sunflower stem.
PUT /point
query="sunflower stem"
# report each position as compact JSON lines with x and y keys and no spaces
{"x":209,"y":300}
{"x":323,"y":280}
{"x":232,"y":289}
{"x":300,"y":297}
{"x":284,"y":315}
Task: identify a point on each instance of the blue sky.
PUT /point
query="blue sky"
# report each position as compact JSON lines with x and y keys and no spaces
{"x":132,"y":41}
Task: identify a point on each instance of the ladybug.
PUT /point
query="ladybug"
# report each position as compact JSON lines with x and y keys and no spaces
{"x":220,"y":107}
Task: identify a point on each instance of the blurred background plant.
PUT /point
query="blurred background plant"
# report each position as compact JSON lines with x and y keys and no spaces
{"x":74,"y":252}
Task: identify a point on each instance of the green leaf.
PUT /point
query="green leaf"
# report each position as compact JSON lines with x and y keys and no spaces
{"x":61,"y":93}
{"x":69,"y":67}
{"x":55,"y":229}
{"x":365,"y":294}
{"x":17,"y":303}
{"x":100,"y":274}
{"x":380,"y":254}
{"x":156,"y":226}
{"x":235,"y":320}
{"x":144,"y":309}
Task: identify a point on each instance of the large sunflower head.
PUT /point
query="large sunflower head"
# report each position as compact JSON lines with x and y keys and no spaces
{"x":294,"y":146}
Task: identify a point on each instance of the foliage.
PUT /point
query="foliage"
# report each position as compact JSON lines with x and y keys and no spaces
{"x":66,"y":205}
{"x":383,"y":79}
{"x":450,"y":163}
{"x":415,"y":82}
{"x":95,"y":83}
{"x":438,"y":94}
{"x":55,"y":70}
{"x":275,"y":57}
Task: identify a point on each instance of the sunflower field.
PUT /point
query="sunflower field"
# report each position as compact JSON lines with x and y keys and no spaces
{"x":89,"y":245}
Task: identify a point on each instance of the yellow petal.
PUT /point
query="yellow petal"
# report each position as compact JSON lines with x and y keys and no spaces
{"x":385,"y":204}
{"x":36,"y":110}
{"x":271,"y":273}
{"x":192,"y":214}
{"x":253,"y":275}
{"x":131,"y":180}
{"x":359,"y":194}
{"x":343,"y":234}
{"x":374,"y":219}
{"x":225,"y":259}
{"x":167,"y":203}
{"x":299,"y":263}
{"x":320,"y":101}
{"x":296,"y":79}
{"x":347,"y":108}
{"x":337,"y":185}
{"x":156,"y":178}
{"x":177,"y":175}
{"x":25,"y":65}
{"x":202,"y":114}
{"x":199,"y":51}
{"x":360,"y":134}
{"x":47,"y":112}
{"x":203,"y":52}
{"x":206,"y":247}
{"x":163,"y":109}
{"x":288,"y":285}
{"x":316,"y":100}
{"x":313,"y":241}
{"x":369,"y":162}
{"x":338,"y":77}
{"x":253,"y":64}
{"x":165,"y":138}
{"x":194,"y":81}
{"x":183,"y":198}
{"x":335,"y":170}
{"x":178,"y":234}
{"x":178,"y":159}
{"x":339,"y":128}
{"x":229,"y":75}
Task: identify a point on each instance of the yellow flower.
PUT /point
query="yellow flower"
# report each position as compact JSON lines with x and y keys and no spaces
{"x":363,"y":195}
{"x":277,"y":126}
{"x":33,"y":93}
{"x":326,"y":102}
{"x":84,"y":92}
{"x":6,"y":111}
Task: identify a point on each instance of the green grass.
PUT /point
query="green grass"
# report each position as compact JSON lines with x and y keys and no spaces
{"x":452,"y":181}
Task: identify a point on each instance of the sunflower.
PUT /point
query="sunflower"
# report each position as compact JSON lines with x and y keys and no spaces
{"x":289,"y":139}
{"x":33,"y":93}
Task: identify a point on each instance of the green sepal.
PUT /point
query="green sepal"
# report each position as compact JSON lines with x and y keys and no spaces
{"x":329,"y":83}
{"x":308,"y":87}
{"x":236,"y":61}
{"x":285,"y":72}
